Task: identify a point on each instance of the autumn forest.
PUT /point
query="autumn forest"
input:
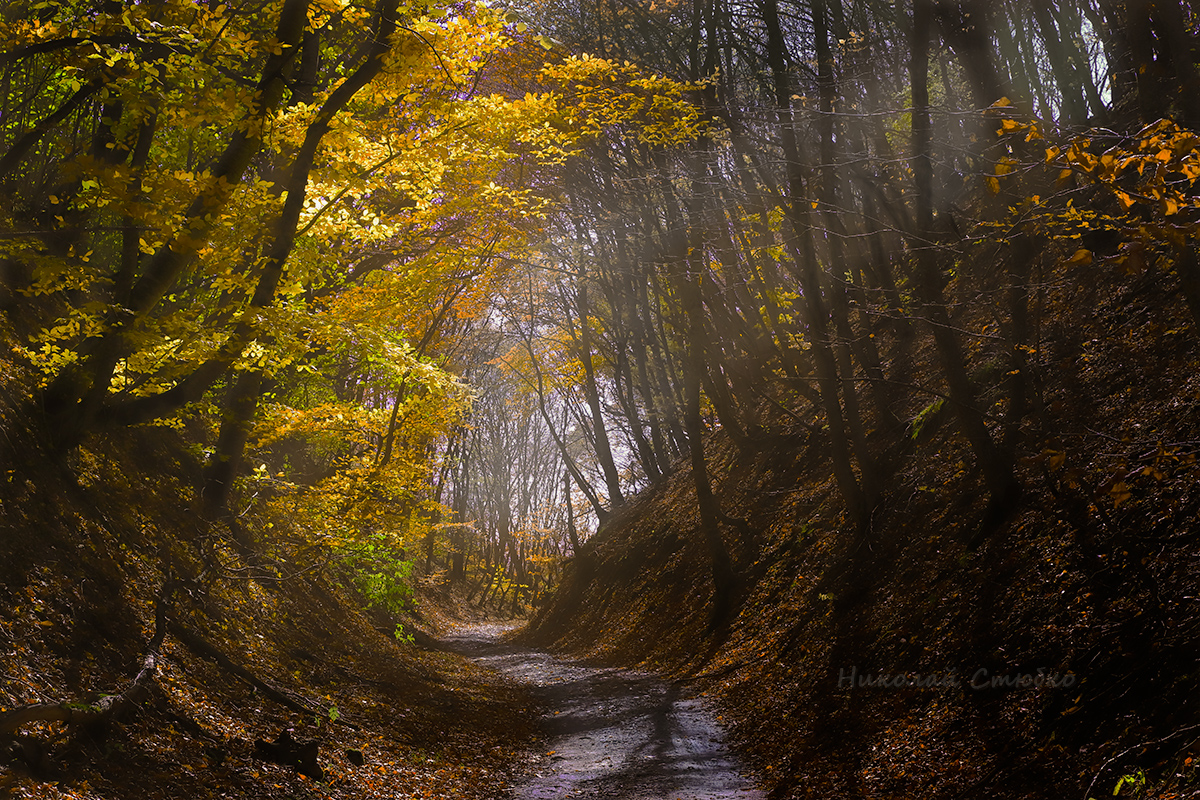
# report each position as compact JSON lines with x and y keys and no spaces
{"x":834,"y":360}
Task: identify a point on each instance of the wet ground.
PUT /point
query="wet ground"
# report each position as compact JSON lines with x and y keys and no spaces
{"x":610,"y":732}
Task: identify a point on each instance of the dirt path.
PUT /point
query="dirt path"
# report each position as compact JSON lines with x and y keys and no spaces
{"x":613,"y":733}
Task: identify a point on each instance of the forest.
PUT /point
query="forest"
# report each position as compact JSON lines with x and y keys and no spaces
{"x":834,"y":359}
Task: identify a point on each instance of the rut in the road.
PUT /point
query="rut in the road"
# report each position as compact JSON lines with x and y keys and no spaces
{"x":613,"y":733}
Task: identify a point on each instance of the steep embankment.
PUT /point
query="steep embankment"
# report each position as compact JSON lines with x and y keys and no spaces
{"x":100,"y":556}
{"x":1086,"y":598}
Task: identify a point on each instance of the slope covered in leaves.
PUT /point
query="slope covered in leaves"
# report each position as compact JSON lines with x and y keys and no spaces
{"x":1057,"y":650}
{"x":253,"y":647}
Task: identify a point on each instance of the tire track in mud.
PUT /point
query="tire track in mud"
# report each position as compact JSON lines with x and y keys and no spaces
{"x":612,"y":733}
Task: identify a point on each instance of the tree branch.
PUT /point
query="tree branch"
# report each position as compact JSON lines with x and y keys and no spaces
{"x":110,"y":707}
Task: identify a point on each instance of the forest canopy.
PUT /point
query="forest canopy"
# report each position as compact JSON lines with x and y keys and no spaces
{"x":470,"y":275}
{"x":765,"y":337}
{"x":285,"y":227}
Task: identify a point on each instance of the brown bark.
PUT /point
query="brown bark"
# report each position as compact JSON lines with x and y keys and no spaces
{"x":242,"y":401}
{"x":966,"y":25}
{"x":831,"y":215}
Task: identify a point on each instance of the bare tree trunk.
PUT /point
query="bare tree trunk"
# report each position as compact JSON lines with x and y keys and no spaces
{"x":997,"y":470}
{"x":1074,"y":108}
{"x":604,"y":453}
{"x":805,"y":268}
{"x":720,"y":562}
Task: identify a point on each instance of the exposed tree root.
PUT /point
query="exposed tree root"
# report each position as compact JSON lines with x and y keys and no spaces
{"x":111,"y":707}
{"x":210,"y":652}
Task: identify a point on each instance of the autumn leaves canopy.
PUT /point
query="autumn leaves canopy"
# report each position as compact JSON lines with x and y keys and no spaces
{"x":207,"y":195}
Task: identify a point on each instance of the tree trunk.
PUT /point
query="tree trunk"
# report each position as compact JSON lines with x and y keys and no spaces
{"x":998,"y":471}
{"x":720,"y":562}
{"x":1074,"y":109}
{"x":805,"y":270}
{"x":241,"y":404}
{"x":604,"y":454}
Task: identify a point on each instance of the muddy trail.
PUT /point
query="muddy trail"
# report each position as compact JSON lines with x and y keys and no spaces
{"x":611,"y":732}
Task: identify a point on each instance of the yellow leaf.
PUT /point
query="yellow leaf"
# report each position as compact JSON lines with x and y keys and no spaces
{"x":1125,"y":200}
{"x":1082,"y":257}
{"x":993,"y":184}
